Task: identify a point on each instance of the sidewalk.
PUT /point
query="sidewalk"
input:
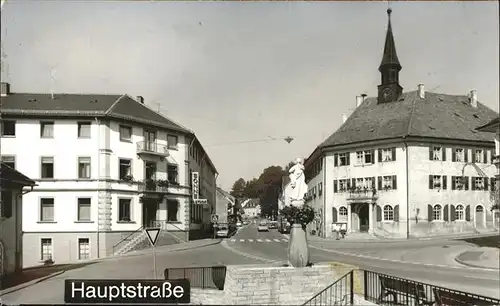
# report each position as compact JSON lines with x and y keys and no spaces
{"x":488,"y":258}
{"x":377,"y":239}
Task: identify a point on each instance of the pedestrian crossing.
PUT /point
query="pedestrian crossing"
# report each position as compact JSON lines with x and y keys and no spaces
{"x":274,"y":240}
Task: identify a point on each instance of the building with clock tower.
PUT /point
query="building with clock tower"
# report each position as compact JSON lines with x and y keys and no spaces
{"x":405,"y":164}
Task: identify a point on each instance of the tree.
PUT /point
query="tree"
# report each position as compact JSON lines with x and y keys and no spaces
{"x":269,"y":187}
{"x":238,"y":188}
{"x":251,"y":189}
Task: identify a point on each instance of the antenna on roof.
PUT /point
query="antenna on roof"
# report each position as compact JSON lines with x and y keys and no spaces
{"x":53,"y":81}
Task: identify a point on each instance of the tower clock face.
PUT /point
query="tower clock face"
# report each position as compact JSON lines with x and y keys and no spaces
{"x":387,"y":94}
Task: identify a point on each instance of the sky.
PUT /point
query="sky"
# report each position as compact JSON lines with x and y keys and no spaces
{"x":245,"y":75}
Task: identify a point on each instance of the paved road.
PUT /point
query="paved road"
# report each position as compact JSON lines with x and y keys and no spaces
{"x":138,"y":267}
{"x":444,"y":271}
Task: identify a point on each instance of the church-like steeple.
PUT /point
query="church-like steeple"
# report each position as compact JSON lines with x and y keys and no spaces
{"x":389,"y":90}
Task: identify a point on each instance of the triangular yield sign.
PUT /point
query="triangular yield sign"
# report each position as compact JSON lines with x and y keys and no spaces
{"x":153,"y":234}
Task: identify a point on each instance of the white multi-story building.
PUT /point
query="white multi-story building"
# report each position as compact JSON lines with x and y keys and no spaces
{"x":405,"y":163}
{"x":105,"y":165}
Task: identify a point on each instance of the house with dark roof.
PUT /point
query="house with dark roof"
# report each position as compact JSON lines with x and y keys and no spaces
{"x":251,"y":208}
{"x":405,"y":163}
{"x":106,"y":166}
{"x":12,"y":183}
{"x":225,"y":203}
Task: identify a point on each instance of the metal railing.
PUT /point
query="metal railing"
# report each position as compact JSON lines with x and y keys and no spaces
{"x":341,"y":292}
{"x":199,"y":277}
{"x":154,"y":186}
{"x":362,"y":193}
{"x":122,"y":242}
{"x":384,"y":289}
{"x":152,"y":147}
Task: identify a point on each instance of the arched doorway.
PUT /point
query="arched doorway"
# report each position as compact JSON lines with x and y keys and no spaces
{"x":364,"y":223}
{"x":479,"y":216}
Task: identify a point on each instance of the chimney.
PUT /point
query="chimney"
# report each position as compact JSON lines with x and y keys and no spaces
{"x":359,"y":100}
{"x":4,"y":89}
{"x":344,"y":118}
{"x":140,"y":99}
{"x":421,"y":91}
{"x":473,"y":98}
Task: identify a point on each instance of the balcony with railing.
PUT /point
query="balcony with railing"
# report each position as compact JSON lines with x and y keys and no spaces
{"x":154,"y":186}
{"x":362,"y":194}
{"x":152,"y":148}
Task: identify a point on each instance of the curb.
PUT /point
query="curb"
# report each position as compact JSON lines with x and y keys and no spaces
{"x":463,"y":262}
{"x":30,"y":283}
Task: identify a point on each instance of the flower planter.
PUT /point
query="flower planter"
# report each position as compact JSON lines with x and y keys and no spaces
{"x":298,"y":250}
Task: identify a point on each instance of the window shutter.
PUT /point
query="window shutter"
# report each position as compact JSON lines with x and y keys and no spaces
{"x":348,"y":184}
{"x":452,"y":213}
{"x":492,"y":156}
{"x":453,"y":154}
{"x":466,"y":155}
{"x":348,"y":158}
{"x":373,"y":156}
{"x":473,"y":182}
{"x":335,"y":186}
{"x":335,"y":159}
{"x":443,"y":150}
{"x":429,"y":213}
{"x":486,"y":183}
{"x":379,"y":155}
{"x":467,"y":213}
{"x":445,"y":213}
{"x":474,"y":153}
{"x":353,"y":183}
{"x":466,"y":182}
{"x":334,"y":215}
{"x":394,"y":182}
{"x":396,"y":213}
{"x":431,"y":186}
{"x":379,"y":213}
{"x":453,"y":187}
{"x":393,"y":153}
{"x":444,"y":182}
{"x":492,"y":184}
{"x":485,"y":156}
{"x":431,"y":155}
{"x":373,"y":182}
{"x":379,"y":183}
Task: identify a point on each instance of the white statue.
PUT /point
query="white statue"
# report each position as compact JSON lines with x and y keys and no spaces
{"x":297,"y":183}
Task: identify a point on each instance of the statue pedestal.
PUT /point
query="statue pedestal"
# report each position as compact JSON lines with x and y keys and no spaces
{"x":298,"y":250}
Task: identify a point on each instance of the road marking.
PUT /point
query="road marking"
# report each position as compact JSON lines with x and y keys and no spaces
{"x":233,"y":240}
{"x":250,"y":240}
{"x":226,"y":246}
{"x":277,"y":240}
{"x":268,"y":240}
{"x":242,"y":240}
{"x":259,"y":240}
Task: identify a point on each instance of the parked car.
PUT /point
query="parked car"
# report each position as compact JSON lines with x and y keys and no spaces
{"x":222,"y":232}
{"x":263,"y":227}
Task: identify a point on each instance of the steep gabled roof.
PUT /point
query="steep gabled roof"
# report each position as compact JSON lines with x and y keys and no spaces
{"x":85,"y":105}
{"x":437,"y":116}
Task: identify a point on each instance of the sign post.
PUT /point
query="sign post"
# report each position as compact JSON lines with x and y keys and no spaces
{"x":215,"y":219}
{"x":153,"y":233}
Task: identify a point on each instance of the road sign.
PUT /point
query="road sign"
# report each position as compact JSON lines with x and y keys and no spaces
{"x":200,"y":201}
{"x":153,"y":234}
{"x":214,"y":218}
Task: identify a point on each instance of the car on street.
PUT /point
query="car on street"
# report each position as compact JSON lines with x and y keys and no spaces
{"x":263,"y":226}
{"x":273,"y":225}
{"x":222,"y":232}
{"x":246,"y":222}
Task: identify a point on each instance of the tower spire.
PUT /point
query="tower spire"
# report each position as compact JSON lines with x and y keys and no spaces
{"x":389,"y":90}
{"x":390,"y":56}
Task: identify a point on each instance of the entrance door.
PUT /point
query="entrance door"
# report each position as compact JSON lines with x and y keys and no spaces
{"x":364,"y":223}
{"x":479,"y":216}
{"x":149,"y":140}
{"x":149,"y":209}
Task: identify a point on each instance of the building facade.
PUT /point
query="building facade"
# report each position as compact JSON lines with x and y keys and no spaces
{"x":106,"y":167}
{"x":224,"y":205}
{"x":405,"y":163}
{"x":12,"y":183}
{"x":251,"y":208}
